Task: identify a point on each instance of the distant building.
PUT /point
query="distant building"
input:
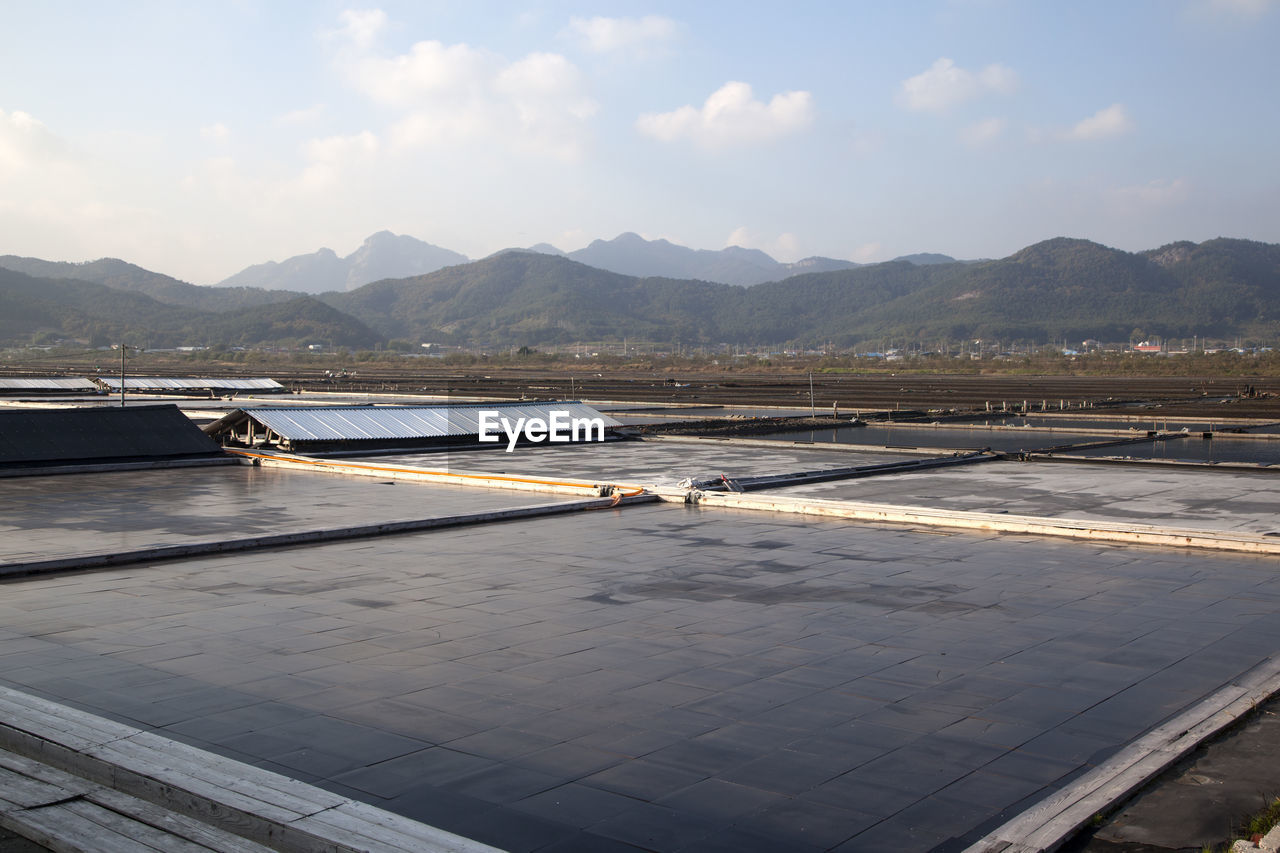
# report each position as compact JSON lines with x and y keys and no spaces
{"x":1147,"y":346}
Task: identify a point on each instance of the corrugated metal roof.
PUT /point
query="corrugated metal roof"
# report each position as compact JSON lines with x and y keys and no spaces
{"x":164,"y":383}
{"x":355,"y":423}
{"x":47,"y":383}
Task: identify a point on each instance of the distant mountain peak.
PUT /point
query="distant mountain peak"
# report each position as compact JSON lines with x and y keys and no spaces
{"x":1173,"y":253}
{"x":383,"y":254}
{"x":924,"y":258}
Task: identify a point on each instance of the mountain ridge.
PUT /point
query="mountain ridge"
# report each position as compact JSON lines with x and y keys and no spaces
{"x":386,"y":255}
{"x":122,"y":275}
{"x":1061,"y":288}
{"x":34,"y":307}
{"x":382,"y":255}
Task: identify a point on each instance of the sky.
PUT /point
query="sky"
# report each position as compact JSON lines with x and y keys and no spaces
{"x":198,"y":138}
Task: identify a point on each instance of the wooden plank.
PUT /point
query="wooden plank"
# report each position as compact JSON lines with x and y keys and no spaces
{"x":1048,"y":824}
{"x":24,"y":719}
{"x":287,"y":798}
{"x":171,"y":788}
{"x":271,"y":784}
{"x":12,"y":765}
{"x":184,"y":827}
{"x":1133,"y":760}
{"x":120,"y":824}
{"x":23,"y":712}
{"x":24,"y":791}
{"x":158,"y":782}
{"x":368,"y":827}
{"x":1065,"y":527}
{"x":64,"y":831}
{"x":281,"y":540}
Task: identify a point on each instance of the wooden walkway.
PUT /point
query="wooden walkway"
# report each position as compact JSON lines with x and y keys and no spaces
{"x":70,"y":781}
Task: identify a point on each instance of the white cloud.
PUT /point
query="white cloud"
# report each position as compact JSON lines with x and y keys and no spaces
{"x":216,"y":132}
{"x":1112,"y":121}
{"x":302,"y":116}
{"x":60,"y":201}
{"x":785,"y":247}
{"x":732,"y":115}
{"x":637,"y":35}
{"x":740,"y":236}
{"x":867,"y":253}
{"x":24,"y":142}
{"x":983,"y":132}
{"x":945,"y":85}
{"x":429,"y":70}
{"x":1158,"y":193}
{"x":457,"y":95}
{"x":329,"y":158}
{"x":571,"y":240}
{"x":362,"y":26}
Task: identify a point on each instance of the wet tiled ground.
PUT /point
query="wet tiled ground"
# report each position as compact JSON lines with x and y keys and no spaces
{"x":649,"y":462}
{"x":659,"y":677}
{"x":77,"y":514}
{"x":1217,"y":500}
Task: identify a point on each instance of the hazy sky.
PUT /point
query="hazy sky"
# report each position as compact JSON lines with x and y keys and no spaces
{"x":197,"y":138}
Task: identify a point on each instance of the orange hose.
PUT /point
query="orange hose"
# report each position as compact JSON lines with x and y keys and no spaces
{"x":619,"y":491}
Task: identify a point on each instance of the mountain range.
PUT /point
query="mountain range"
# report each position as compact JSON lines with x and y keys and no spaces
{"x":631,"y":254}
{"x":382,"y":255}
{"x":37,"y":309}
{"x":1057,"y":289}
{"x":387,"y":255}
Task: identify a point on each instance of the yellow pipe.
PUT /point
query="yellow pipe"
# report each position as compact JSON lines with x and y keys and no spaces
{"x":626,"y":491}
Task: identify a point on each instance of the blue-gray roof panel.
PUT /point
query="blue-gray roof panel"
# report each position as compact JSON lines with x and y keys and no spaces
{"x":391,"y":422}
{"x":165,"y":383}
{"x":47,"y":383}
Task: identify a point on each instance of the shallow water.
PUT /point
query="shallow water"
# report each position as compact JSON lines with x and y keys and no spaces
{"x":1195,"y":449}
{"x":1007,"y":441}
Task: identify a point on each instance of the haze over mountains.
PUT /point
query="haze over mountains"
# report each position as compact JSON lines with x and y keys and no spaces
{"x":382,"y":255}
{"x":1059,"y":289}
{"x":631,"y":254}
{"x":387,"y":255}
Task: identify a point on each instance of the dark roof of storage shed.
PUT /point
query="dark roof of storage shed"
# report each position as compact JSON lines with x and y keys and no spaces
{"x":63,"y":436}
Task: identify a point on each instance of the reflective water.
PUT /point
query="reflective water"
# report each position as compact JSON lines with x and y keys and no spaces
{"x":1006,"y":441}
{"x":1191,"y":448}
{"x":1136,"y":424}
{"x":1195,"y":449}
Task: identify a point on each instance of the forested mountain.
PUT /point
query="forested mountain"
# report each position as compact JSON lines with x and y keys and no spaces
{"x":385,"y":255}
{"x":1058,"y":289}
{"x":120,"y":275}
{"x":535,"y":298}
{"x":631,"y":254}
{"x":54,"y":308}
{"x":1074,"y":289}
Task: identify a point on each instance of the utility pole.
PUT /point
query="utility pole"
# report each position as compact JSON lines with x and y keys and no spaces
{"x":122,"y":374}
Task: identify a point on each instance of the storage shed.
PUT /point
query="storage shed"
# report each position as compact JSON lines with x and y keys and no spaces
{"x":379,"y":428}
